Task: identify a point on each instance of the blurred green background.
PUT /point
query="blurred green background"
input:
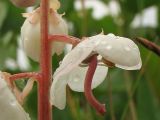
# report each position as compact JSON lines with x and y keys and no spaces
{"x":128,"y":95}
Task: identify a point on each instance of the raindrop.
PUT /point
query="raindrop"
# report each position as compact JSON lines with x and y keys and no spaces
{"x":127,"y":48}
{"x":108,"y":47}
{"x":111,"y":35}
{"x":13,"y":103}
{"x":76,"y":78}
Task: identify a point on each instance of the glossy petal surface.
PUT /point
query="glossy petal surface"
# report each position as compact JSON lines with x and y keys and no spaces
{"x":58,"y":92}
{"x":123,"y":52}
{"x":77,"y":77}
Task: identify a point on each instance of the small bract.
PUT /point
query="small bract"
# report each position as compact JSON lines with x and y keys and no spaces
{"x":10,"y":109}
{"x":30,"y":32}
{"x":120,"y":51}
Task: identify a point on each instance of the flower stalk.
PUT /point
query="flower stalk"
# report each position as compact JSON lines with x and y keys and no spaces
{"x":24,"y":75}
{"x":44,"y":106}
{"x":64,"y":38}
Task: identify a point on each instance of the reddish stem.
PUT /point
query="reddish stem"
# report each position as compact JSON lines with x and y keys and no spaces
{"x":44,"y":106}
{"x":87,"y":87}
{"x":64,"y":38}
{"x":24,"y":75}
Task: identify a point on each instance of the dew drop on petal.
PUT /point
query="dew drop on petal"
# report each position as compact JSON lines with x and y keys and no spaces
{"x":13,"y":103}
{"x":111,"y":35}
{"x":76,"y":78}
{"x":108,"y":47}
{"x":127,"y":48}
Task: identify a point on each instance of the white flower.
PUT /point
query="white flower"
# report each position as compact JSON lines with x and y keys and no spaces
{"x":30,"y":32}
{"x":10,"y":109}
{"x":121,"y":51}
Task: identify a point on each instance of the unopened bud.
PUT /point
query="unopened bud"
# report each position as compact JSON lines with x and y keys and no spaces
{"x":30,"y":33}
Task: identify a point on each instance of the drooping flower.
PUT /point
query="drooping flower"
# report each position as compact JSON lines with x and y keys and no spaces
{"x":30,"y":32}
{"x":114,"y":50}
{"x":10,"y":107}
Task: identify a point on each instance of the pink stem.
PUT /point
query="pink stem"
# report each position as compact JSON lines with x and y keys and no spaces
{"x":44,"y":106}
{"x":24,"y":75}
{"x":87,"y":87}
{"x":64,"y":38}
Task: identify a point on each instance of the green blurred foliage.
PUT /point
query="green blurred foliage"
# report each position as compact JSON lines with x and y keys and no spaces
{"x":132,"y":95}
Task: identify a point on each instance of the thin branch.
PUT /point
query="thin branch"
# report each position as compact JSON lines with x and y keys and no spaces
{"x":149,"y":45}
{"x":24,"y":75}
{"x":64,"y":38}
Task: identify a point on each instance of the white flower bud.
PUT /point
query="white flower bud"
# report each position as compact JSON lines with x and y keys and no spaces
{"x":30,"y":33}
{"x":10,"y":109}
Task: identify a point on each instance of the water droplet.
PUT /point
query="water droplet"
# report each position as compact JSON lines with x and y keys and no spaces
{"x":76,"y":78}
{"x":108,"y":47}
{"x":118,"y":38}
{"x":111,"y":35}
{"x":127,"y":48}
{"x":13,"y":103}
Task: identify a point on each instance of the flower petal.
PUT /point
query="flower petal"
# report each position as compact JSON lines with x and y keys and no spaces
{"x":123,"y":52}
{"x":75,"y":57}
{"x":77,"y":77}
{"x":10,"y":109}
{"x":58,"y":92}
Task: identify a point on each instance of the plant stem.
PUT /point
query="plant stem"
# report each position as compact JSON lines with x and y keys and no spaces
{"x":149,"y":45}
{"x":44,"y":106}
{"x":64,"y":38}
{"x":24,"y":75}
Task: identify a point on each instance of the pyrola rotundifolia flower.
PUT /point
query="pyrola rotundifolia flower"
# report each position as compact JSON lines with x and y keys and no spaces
{"x":30,"y":32}
{"x":10,"y":109}
{"x":121,"y":52}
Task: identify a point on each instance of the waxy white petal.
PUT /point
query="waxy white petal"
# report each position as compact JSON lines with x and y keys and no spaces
{"x":75,"y":57}
{"x":10,"y":109}
{"x":58,"y":92}
{"x":76,"y":78}
{"x":121,"y":51}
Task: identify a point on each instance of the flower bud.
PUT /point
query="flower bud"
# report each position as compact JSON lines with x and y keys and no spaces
{"x":30,"y":32}
{"x":24,"y":3}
